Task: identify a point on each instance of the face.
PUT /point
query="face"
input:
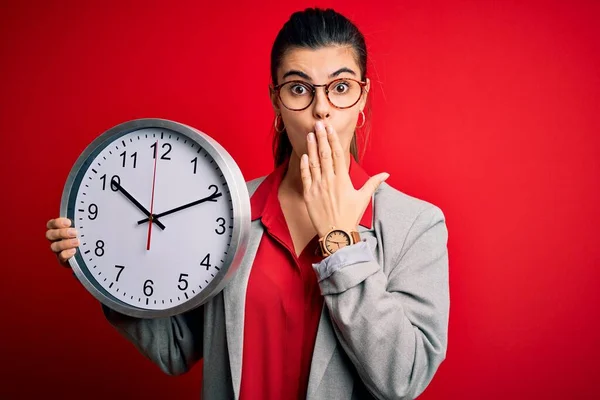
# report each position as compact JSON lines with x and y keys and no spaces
{"x":319,"y":67}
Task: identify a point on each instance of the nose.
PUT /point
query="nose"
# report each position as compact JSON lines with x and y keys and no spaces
{"x":321,"y":106}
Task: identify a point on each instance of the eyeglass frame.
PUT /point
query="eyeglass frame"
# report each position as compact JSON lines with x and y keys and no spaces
{"x":277,"y":89}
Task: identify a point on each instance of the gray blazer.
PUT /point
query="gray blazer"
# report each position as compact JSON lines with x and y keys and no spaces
{"x":383,"y":330}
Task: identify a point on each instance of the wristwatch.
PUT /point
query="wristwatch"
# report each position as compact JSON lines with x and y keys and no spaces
{"x":335,"y":239}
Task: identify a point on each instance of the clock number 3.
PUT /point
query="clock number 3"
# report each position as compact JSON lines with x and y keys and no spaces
{"x":221,"y":225}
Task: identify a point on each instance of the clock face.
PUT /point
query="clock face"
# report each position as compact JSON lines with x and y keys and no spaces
{"x":336,"y":240}
{"x":159,"y":172}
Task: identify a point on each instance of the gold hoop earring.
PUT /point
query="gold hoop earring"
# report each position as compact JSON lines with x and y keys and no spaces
{"x":277,"y":123}
{"x":364,"y":119}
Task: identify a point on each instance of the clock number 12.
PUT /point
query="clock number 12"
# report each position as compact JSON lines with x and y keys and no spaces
{"x":164,"y":156}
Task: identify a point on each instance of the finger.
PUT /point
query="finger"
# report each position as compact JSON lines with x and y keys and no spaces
{"x":64,"y":233}
{"x":65,"y":244}
{"x":313,"y":157}
{"x":373,"y":183}
{"x":324,"y":150}
{"x":57,"y":223}
{"x":64,"y":255}
{"x":305,"y":173}
{"x":337,"y":152}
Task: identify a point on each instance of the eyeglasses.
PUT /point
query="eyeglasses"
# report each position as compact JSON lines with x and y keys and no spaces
{"x":299,"y":95}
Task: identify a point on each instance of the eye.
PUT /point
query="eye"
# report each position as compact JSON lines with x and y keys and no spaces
{"x":298,"y":89}
{"x":341,"y":87}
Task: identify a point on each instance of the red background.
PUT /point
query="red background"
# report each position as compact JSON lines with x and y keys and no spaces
{"x":488,"y":109}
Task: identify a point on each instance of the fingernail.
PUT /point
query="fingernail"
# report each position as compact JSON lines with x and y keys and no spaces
{"x":75,"y":242}
{"x":311,"y":137}
{"x":72,"y":232}
{"x":319,"y":125}
{"x":67,"y":222}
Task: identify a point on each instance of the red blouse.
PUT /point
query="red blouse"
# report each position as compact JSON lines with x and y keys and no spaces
{"x":283,"y":300}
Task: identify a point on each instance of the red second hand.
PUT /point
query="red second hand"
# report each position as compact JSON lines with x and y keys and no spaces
{"x":150,"y":222}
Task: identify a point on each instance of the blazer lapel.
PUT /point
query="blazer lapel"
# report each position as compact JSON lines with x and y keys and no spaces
{"x":325,"y":345}
{"x":235,"y":301}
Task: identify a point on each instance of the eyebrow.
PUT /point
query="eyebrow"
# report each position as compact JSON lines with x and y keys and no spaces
{"x":305,"y":76}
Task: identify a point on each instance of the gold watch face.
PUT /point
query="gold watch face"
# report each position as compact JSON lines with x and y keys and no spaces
{"x":335,"y":240}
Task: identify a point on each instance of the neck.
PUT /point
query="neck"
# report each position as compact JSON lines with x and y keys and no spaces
{"x":292,"y":181}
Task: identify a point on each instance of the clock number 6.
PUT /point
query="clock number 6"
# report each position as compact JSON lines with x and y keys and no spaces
{"x":148,"y":289}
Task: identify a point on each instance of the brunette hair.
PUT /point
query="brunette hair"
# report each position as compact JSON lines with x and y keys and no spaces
{"x":315,"y":28}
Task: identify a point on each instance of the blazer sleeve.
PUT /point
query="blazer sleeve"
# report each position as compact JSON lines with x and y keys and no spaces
{"x":172,"y":343}
{"x":392,"y":326}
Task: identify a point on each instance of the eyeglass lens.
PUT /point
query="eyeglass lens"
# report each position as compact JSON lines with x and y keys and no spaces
{"x":298,"y":95}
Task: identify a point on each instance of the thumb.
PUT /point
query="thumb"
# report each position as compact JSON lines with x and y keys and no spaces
{"x":373,"y":183}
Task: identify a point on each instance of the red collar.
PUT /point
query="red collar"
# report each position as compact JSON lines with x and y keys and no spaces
{"x":267,"y":191}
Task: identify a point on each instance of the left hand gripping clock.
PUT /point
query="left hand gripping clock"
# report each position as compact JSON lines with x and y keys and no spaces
{"x":163,"y":217}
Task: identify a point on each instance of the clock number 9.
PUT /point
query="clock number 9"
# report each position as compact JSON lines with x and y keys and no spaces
{"x":148,"y":289}
{"x":93,"y":210}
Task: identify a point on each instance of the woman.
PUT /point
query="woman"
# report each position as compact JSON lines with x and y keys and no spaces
{"x":343,"y":292}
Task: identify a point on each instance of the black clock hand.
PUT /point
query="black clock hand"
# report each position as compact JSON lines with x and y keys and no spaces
{"x":212,"y":197}
{"x":137,"y":203}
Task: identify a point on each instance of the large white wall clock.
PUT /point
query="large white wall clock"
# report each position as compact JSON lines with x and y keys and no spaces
{"x":163,"y":216}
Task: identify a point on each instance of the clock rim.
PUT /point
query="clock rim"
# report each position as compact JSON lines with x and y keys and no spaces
{"x":240,"y":215}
